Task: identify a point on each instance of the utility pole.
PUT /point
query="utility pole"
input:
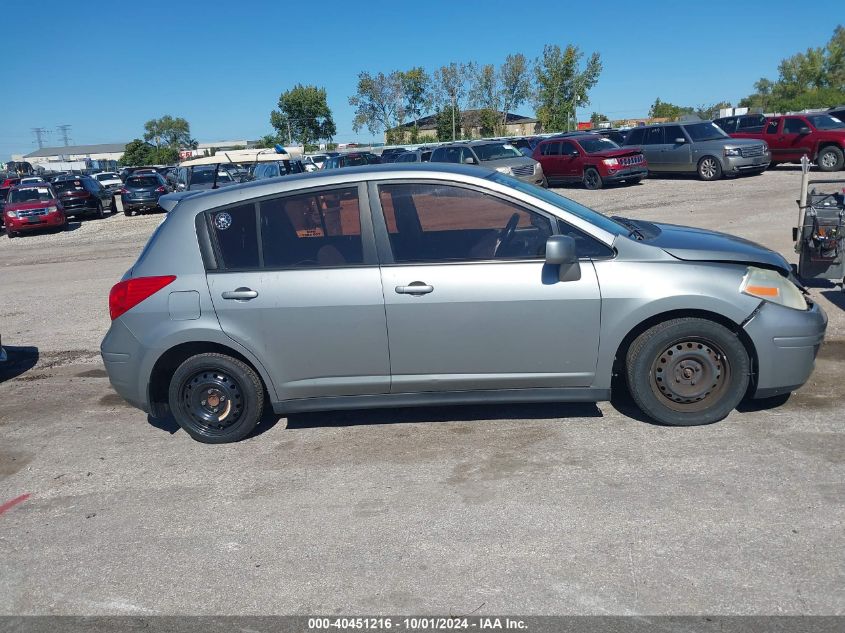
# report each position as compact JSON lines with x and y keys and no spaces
{"x":39,"y":132}
{"x":453,"y":118}
{"x":63,"y":131}
{"x":290,"y":137}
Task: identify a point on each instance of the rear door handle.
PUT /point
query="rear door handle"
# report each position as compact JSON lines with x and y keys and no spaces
{"x":416,"y":288}
{"x":240,"y":294}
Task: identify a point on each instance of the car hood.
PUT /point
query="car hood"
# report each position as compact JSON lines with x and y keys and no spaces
{"x":692,"y":244}
{"x":615,"y":153}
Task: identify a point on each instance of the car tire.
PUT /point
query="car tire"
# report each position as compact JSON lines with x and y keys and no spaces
{"x":687,"y":372}
{"x":830,"y":158}
{"x":592,"y":179}
{"x":205,"y":383}
{"x":709,"y":168}
{"x":772,"y":165}
{"x":100,"y":213}
{"x":127,"y":213}
{"x":10,"y":233}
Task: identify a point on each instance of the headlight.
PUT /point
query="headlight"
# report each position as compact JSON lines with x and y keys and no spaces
{"x":765,"y":148}
{"x":771,"y":286}
{"x":610,"y":162}
{"x":537,"y":167}
{"x":733,"y":151}
{"x":12,"y":214}
{"x":51,"y":209}
{"x":503,"y":170}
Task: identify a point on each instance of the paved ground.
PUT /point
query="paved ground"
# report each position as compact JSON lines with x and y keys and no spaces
{"x":545,"y":509}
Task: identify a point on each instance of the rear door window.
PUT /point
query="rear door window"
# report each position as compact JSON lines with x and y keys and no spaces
{"x":653,"y":136}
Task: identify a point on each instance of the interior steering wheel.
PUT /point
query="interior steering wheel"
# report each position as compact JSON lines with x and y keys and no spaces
{"x":506,"y":234}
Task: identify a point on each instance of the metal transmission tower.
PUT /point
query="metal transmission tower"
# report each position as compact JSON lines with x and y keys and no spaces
{"x":40,"y":133}
{"x":63,"y":132}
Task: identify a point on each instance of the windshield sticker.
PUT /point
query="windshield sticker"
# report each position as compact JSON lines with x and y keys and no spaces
{"x":222,"y":221}
{"x":508,"y":146}
{"x":318,"y":232}
{"x":43,"y":190}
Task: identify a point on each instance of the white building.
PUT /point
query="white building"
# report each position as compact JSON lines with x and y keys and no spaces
{"x":104,"y":151}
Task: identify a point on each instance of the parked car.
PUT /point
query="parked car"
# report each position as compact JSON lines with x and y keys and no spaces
{"x":4,"y":191}
{"x":389,"y":155}
{"x":32,"y":207}
{"x":203,"y":177}
{"x":589,"y":159}
{"x":82,"y":196}
{"x":352,"y":159}
{"x":9,"y":180}
{"x":141,"y":191}
{"x":498,"y":155}
{"x":314,"y":162}
{"x":699,"y":147}
{"x":32,"y":180}
{"x":468,"y":286}
{"x":819,"y":137}
{"x":414,"y":156}
{"x":277,"y":168}
{"x":109,"y":179}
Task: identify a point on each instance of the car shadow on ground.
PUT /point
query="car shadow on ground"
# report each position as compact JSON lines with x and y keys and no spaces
{"x":829,"y":290}
{"x":20,"y":360}
{"x":458,"y":413}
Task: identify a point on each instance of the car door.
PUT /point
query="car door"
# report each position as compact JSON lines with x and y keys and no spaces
{"x":571,"y":162}
{"x":676,"y":156}
{"x":471,"y":305}
{"x":795,"y":143}
{"x":549,"y":158}
{"x":298,"y":285}
{"x":653,"y":145}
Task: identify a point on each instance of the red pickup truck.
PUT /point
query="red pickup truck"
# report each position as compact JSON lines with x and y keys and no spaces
{"x":820,"y":137}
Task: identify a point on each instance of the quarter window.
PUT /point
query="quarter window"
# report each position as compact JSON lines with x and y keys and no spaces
{"x":316,"y":229}
{"x":436,"y":223}
{"x":236,"y":235}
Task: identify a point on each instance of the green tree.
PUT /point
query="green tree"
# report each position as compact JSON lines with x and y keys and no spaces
{"x":563,"y":85}
{"x":812,"y":79}
{"x":379,"y":104}
{"x":665,"y":110}
{"x":450,"y":89}
{"x":416,"y":92}
{"x":515,"y":84}
{"x":164,"y":156}
{"x":303,"y":115}
{"x":597,"y":117}
{"x":446,"y":124}
{"x":138,"y":152}
{"x":168,"y":131}
{"x":269,"y":140}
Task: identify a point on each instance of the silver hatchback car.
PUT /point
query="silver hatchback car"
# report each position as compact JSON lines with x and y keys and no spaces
{"x":406,"y":285}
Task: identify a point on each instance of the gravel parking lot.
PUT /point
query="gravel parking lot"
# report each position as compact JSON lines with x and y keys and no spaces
{"x":528,"y":509}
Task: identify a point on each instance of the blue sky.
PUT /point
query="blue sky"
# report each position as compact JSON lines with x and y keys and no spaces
{"x":106,"y":67}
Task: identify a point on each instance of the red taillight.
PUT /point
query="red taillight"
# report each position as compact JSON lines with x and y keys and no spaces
{"x":123,"y":191}
{"x":125,"y":295}
{"x":161,"y":189}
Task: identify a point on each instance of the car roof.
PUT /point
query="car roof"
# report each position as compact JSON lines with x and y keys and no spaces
{"x":267,"y":186}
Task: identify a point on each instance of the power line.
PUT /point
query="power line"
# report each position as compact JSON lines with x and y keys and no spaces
{"x":63,"y":131}
{"x":40,"y":133}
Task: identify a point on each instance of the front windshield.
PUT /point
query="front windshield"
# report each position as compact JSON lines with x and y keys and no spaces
{"x":825,"y":122}
{"x":706,"y":131}
{"x":596,"y":145}
{"x":585,"y":213}
{"x":33,"y":194}
{"x":68,"y":185}
{"x":496,"y":151}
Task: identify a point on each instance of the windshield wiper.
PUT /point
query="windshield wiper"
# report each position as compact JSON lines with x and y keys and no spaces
{"x":629,"y":224}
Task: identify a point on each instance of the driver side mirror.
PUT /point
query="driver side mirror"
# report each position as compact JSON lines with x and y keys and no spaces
{"x":561,"y":251}
{"x":804,"y":130}
{"x":680,"y":141}
{"x":469,"y":160}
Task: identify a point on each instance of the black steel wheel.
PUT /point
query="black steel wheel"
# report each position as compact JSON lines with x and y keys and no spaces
{"x":687,"y":372}
{"x":592,"y":179}
{"x":216,"y":398}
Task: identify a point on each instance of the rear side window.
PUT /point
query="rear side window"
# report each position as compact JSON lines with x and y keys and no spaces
{"x":235,"y":232}
{"x":316,"y":229}
{"x":653,"y":136}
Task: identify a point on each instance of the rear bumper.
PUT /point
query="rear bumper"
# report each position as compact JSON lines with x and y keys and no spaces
{"x":121,"y":354}
{"x":786,"y":342}
{"x":89,"y":206}
{"x":626,"y":174}
{"x":140,"y":205}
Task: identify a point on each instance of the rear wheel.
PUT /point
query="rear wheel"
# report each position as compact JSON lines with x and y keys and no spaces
{"x":709,"y":168}
{"x":687,"y":372}
{"x":100,"y":213}
{"x":10,"y":233}
{"x":592,"y":179}
{"x":830,"y":158}
{"x":216,"y":398}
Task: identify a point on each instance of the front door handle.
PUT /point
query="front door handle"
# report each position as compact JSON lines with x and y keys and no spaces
{"x":240,"y":294}
{"x":416,"y":288}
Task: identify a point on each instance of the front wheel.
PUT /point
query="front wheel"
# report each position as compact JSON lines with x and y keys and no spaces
{"x":592,"y":179}
{"x":100,"y":213}
{"x":687,"y":372}
{"x":709,"y":168}
{"x":830,"y":158}
{"x":216,"y":398}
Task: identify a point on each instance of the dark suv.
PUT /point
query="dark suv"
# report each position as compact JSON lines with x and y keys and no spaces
{"x":82,"y":196}
{"x":353,"y":159}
